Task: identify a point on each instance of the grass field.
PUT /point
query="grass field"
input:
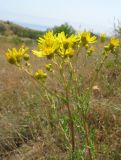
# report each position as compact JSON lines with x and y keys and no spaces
{"x":27,"y":129}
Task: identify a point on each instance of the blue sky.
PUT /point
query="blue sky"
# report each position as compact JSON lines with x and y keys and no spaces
{"x":95,"y":15}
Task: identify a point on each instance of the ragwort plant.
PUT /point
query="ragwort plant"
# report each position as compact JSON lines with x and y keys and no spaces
{"x":69,"y":99}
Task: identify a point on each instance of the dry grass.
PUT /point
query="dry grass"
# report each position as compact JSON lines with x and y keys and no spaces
{"x":26,"y":133}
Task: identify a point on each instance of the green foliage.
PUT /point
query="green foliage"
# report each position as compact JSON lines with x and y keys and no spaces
{"x":66,"y":28}
{"x":2,"y":28}
{"x":16,"y":40}
{"x":25,"y":32}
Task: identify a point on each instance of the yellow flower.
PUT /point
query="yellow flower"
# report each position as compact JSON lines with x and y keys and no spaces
{"x":40,"y":74}
{"x":15,"y":56}
{"x":103,"y":37}
{"x":66,"y":44}
{"x":112,"y":46}
{"x":69,"y":52}
{"x":114,"y":42}
{"x":85,"y":38}
{"x":66,"y":41}
{"x":47,"y":45}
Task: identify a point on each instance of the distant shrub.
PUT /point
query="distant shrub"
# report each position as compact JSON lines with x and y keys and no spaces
{"x":16,"y":40}
{"x":25,"y":32}
{"x":2,"y":28}
{"x":66,"y":28}
{"x":7,"y":22}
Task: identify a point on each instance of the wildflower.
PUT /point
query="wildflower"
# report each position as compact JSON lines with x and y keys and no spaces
{"x":15,"y":56}
{"x":47,"y":45}
{"x":10,"y":57}
{"x":85,"y":38}
{"x":69,"y":52}
{"x":67,"y":41}
{"x":103,"y":37}
{"x":114,"y":43}
{"x":112,"y":46}
{"x":66,"y":44}
{"x":40,"y":74}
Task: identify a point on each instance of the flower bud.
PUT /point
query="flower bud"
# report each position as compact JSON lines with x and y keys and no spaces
{"x":12,"y":60}
{"x":107,"y":48}
{"x":87,"y":46}
{"x":48,"y":67}
{"x":26,"y":57}
{"x":103,"y":37}
{"x":27,"y":64}
{"x":18,"y":59}
{"x":40,"y":74}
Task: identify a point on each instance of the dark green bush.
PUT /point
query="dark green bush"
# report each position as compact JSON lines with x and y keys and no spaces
{"x":68,"y":29}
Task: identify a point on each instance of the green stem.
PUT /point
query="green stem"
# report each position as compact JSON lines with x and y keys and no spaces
{"x":86,"y":128}
{"x":69,"y":110}
{"x":71,"y":127}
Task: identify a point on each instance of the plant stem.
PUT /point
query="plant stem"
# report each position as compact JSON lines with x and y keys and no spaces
{"x":71,"y":123}
{"x":86,"y":128}
{"x":72,"y":128}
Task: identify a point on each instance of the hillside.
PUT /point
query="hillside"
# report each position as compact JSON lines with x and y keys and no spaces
{"x":8,"y":28}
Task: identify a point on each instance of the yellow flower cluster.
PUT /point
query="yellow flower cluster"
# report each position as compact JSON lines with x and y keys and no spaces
{"x":51,"y":45}
{"x":66,"y":44}
{"x":61,"y":44}
{"x":14,"y":56}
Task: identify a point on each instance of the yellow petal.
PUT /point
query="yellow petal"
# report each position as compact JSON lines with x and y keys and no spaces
{"x":38,"y":53}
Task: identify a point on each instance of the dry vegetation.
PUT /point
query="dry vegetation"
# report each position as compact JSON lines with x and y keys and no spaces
{"x":27,"y":131}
